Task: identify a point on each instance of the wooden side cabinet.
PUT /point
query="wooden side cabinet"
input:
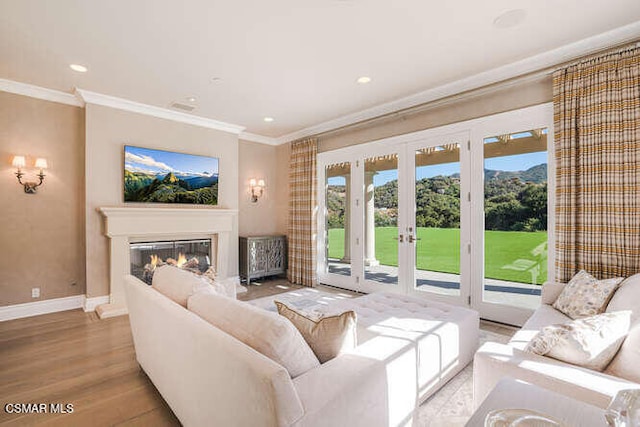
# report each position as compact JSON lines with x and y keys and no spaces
{"x":262,"y":256}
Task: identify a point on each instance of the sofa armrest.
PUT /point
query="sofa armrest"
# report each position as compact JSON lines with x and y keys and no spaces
{"x":551,"y":291}
{"x":494,"y":361}
{"x":373,"y":385}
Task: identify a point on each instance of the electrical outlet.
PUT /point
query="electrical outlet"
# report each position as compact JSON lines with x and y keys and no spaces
{"x":35,"y":293}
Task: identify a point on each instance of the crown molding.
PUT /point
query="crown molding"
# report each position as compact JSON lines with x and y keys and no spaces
{"x":254,"y":137}
{"x":150,"y":110}
{"x":38,"y":92}
{"x":536,"y":63}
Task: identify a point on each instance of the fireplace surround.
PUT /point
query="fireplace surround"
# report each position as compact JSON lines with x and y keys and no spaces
{"x":126,"y":225}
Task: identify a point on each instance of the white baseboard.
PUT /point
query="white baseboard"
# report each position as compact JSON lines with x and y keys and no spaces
{"x":29,"y":309}
{"x":90,"y":304}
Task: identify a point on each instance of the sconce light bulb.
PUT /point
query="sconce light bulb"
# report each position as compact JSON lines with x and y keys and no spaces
{"x":41,"y":163}
{"x":19,"y":162}
{"x":252,"y":182}
{"x":261,"y":183}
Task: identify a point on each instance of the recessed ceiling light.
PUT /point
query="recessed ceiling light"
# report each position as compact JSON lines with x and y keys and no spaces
{"x":268,"y":119}
{"x":510,"y":18}
{"x":191,"y":99}
{"x":364,"y":80}
{"x":79,"y":68}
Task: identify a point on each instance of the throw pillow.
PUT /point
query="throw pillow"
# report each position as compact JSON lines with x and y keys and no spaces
{"x":585,"y":295}
{"x":264,"y":331}
{"x":327,"y":336}
{"x":591,"y":342}
{"x":625,"y":364}
{"x":177,"y":284}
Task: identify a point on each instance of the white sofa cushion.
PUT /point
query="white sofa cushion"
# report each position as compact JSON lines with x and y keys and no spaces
{"x":176,"y":284}
{"x":264,"y":331}
{"x":585,"y":295}
{"x":544,"y":315}
{"x":626,"y":363}
{"x":590,"y":342}
{"x":551,"y":291}
{"x":440,"y":338}
{"x":224,"y":288}
{"x":495,"y":361}
{"x":627,"y":297}
{"x":328,"y":336}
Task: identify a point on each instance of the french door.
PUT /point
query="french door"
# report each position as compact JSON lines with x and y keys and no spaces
{"x":456,"y":214}
{"x":392,"y":217}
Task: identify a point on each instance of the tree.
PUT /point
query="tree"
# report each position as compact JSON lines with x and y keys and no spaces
{"x":534,"y":201}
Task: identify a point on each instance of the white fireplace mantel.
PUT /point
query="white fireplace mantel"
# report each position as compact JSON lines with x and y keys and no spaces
{"x":124,"y":225}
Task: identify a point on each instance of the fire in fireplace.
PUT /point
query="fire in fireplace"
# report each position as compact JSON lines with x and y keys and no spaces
{"x":194,"y":255}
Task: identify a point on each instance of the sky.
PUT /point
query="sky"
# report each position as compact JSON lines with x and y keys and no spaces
{"x":518,"y":162}
{"x":156,"y":161}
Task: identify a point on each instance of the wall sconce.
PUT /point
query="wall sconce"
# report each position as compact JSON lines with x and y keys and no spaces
{"x":257,"y":189}
{"x":29,"y":187}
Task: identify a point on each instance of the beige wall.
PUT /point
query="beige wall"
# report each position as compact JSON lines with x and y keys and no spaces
{"x":282,"y":181}
{"x":504,"y":98}
{"x":42,"y":235}
{"x":107,"y":131}
{"x":258,"y":161}
{"x":54,"y":218}
{"x":271,"y":163}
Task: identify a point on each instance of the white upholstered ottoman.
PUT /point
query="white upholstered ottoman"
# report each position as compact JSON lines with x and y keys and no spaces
{"x":438,"y":340}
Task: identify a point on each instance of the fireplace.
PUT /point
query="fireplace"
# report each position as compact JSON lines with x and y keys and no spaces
{"x":194,"y":255}
{"x":125,"y":226}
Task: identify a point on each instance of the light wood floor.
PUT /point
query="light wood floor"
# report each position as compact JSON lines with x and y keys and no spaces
{"x":73,"y":357}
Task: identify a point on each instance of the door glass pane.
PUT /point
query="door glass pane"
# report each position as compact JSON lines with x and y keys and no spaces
{"x":337,"y":218}
{"x":437,"y":210}
{"x":515,"y":207}
{"x":381,"y":219}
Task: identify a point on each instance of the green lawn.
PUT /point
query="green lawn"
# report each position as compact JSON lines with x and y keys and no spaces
{"x":516,"y":256}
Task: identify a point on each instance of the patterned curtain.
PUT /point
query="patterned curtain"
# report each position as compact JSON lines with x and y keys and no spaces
{"x":302,"y":213}
{"x":597,"y":148}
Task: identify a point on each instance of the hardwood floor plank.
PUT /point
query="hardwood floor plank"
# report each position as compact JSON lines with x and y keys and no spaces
{"x":71,"y":357}
{"x":156,"y":417}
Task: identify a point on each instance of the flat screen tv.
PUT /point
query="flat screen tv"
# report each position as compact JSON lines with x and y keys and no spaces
{"x":156,"y":176}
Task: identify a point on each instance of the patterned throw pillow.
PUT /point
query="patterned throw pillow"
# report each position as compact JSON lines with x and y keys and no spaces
{"x":591,"y":342}
{"x":585,"y":295}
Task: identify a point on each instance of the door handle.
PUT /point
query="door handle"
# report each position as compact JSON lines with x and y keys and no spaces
{"x":400,"y":238}
{"x":413,"y":238}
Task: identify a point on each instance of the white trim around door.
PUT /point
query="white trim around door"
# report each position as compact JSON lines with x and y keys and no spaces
{"x":472,"y":133}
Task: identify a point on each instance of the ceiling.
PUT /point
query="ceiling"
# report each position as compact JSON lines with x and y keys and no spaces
{"x":294,"y":60}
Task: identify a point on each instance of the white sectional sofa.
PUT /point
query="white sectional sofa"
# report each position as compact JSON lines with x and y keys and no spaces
{"x":407,"y":349}
{"x":494,"y":361}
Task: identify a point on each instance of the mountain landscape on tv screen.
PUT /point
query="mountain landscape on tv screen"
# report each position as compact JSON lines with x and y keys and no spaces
{"x":181,"y":184}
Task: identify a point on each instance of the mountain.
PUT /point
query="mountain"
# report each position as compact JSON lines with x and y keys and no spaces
{"x":170,"y":188}
{"x":536,"y":174}
{"x":170,"y":178}
{"x":133,"y":181}
{"x":514,"y":201}
{"x":201,"y":181}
